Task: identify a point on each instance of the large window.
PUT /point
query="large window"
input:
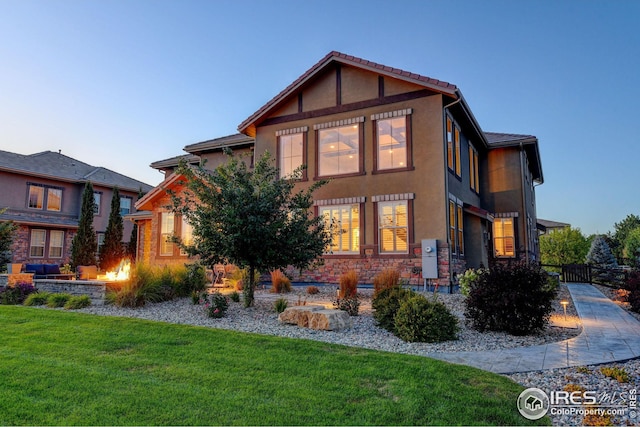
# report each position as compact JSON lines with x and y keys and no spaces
{"x":166,"y":233}
{"x":290,"y":153}
{"x":346,"y":227}
{"x":339,"y":150}
{"x":504,"y":237}
{"x":37,"y":243}
{"x":41,"y":197}
{"x":393,"y":227}
{"x":391,"y":143}
{"x":56,"y":243}
{"x":125,"y":206}
{"x":456,"y":230}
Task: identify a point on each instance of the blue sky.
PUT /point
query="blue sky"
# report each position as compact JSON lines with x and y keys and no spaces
{"x":123,"y":83}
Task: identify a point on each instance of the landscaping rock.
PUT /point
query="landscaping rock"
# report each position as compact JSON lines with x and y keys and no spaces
{"x":316,"y":317}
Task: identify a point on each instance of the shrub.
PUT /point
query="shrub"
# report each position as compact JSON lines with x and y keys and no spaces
{"x":516,"y":298}
{"x":57,"y":300}
{"x":280,"y":305}
{"x":469,"y":277}
{"x":143,"y":286}
{"x":37,"y":298}
{"x":632,"y":286}
{"x":78,"y":302}
{"x":421,"y":320}
{"x":351,"y":305}
{"x":388,"y":278}
{"x":234,"y":296}
{"x":616,"y":373}
{"x":194,"y":278}
{"x":594,"y":418}
{"x":312,"y":290}
{"x":217,"y":305}
{"x":386,"y":304}
{"x":279,"y":282}
{"x":349,"y":284}
{"x":17,"y":294}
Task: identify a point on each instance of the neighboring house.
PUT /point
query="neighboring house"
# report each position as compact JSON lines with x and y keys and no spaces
{"x":546,"y":226}
{"x":43,"y":194}
{"x":415,"y":185}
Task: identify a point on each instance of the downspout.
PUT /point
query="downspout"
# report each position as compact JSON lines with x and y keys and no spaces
{"x":524,"y":203}
{"x":446,"y":185}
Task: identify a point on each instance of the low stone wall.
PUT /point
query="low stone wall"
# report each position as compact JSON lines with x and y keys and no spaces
{"x":95,"y":289}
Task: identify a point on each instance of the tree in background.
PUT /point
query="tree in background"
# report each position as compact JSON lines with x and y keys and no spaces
{"x":632,"y":245}
{"x":7,"y":230}
{"x":132,"y":246}
{"x":565,"y":246}
{"x":600,"y":254}
{"x":112,"y":252}
{"x":250,"y":218}
{"x":622,"y":230}
{"x":83,"y":246}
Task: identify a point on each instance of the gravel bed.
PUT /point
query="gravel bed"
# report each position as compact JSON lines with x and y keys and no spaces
{"x":262,"y":319}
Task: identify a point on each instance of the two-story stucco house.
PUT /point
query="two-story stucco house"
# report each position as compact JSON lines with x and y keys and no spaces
{"x":416,"y":184}
{"x":43,"y":194}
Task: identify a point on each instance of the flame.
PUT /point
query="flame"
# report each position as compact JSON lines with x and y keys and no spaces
{"x":121,"y":272}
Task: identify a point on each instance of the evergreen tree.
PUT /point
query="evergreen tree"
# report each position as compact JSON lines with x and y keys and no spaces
{"x":7,"y":230}
{"x":132,"y":246}
{"x":112,"y":252}
{"x":600,"y":254}
{"x":83,"y":246}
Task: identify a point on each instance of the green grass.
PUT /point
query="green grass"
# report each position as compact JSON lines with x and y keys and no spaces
{"x":64,"y":368}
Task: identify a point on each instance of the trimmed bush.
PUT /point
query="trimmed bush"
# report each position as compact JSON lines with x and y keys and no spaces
{"x":78,"y":302}
{"x":421,"y":320}
{"x":57,"y":300}
{"x":37,"y":298}
{"x":389,"y":278}
{"x":517,"y":299}
{"x":17,"y":294}
{"x":349,"y":284}
{"x":386,"y":304}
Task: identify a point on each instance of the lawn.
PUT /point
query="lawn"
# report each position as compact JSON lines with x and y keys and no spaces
{"x":65,"y":368}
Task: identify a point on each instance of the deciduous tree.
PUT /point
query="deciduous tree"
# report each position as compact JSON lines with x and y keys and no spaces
{"x":250,"y":217}
{"x":565,"y":246}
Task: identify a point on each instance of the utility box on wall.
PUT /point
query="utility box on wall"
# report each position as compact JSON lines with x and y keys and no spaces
{"x":429,"y":259}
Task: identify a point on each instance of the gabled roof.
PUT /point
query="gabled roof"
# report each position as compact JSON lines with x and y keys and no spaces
{"x":173,"y":162}
{"x":57,"y":166}
{"x":528,"y":142}
{"x":337,"y":57}
{"x":172,"y":182}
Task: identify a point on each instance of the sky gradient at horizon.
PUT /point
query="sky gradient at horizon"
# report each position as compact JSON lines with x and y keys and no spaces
{"x":124,"y":83}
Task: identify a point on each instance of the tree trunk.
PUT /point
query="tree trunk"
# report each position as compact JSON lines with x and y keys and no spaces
{"x":250,"y":287}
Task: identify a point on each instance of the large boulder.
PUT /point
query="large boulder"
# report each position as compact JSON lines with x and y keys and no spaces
{"x":316,"y":317}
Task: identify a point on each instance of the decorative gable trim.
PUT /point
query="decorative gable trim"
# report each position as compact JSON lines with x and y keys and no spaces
{"x":292,"y":131}
{"x":391,"y":114}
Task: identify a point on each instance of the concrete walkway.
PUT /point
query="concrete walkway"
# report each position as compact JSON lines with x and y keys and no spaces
{"x":609,"y":334}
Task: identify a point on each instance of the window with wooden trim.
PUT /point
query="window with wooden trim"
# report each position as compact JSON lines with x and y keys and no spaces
{"x":56,"y":243}
{"x":37,"y":243}
{"x":393,"y":227}
{"x":391,"y":143}
{"x":474,"y":174}
{"x":452,"y":226}
{"x":125,"y":205}
{"x":186,"y":234}
{"x":167,"y":227}
{"x":290,"y":153}
{"x":460,"y":230}
{"x":339,"y":150}
{"x":504,"y":237}
{"x":345,"y":223}
{"x":456,"y":144}
{"x":450,"y":151}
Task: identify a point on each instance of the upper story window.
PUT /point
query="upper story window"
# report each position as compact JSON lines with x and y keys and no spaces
{"x":345,"y":220}
{"x":504,"y":237}
{"x":474,"y":174}
{"x":186,"y":234}
{"x":453,"y":147}
{"x":393,"y":140}
{"x":339,"y":147}
{"x":125,"y":206}
{"x":97,"y":198}
{"x":43,"y":197}
{"x":291,"y":150}
{"x":167,"y":227}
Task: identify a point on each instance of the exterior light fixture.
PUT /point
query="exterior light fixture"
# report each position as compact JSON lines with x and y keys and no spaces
{"x":564,"y":303}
